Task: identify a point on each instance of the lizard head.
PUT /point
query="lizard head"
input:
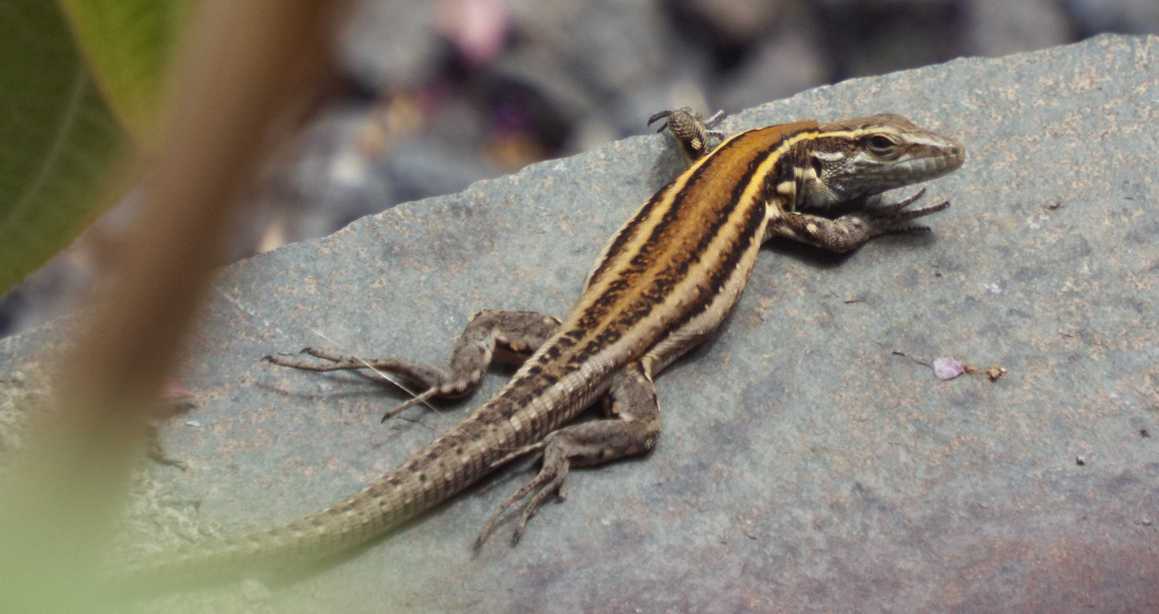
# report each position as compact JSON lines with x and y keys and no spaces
{"x":864,"y":156}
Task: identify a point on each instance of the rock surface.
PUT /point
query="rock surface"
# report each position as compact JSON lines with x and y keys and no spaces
{"x":803,"y":466}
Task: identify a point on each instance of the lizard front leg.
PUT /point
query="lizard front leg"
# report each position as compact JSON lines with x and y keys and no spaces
{"x":490,"y":336}
{"x":852,"y":230}
{"x":631,"y":429}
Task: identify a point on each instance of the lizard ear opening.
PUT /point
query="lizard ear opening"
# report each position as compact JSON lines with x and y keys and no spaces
{"x":816,"y":164}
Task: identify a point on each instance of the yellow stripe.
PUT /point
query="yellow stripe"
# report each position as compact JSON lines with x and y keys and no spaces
{"x":729,"y":234}
{"x":647,"y":225}
{"x":685,"y":290}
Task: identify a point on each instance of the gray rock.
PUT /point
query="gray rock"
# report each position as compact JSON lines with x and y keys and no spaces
{"x":613,"y":31}
{"x":1137,"y":16}
{"x":870,"y":38}
{"x":599,"y":69}
{"x":997,"y":27}
{"x":802,"y":466}
{"x":388,"y":43}
{"x":736,"y":21}
{"x":336,"y":177}
{"x":789,"y":62}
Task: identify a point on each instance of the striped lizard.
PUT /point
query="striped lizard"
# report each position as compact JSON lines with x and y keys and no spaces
{"x":663,"y":283}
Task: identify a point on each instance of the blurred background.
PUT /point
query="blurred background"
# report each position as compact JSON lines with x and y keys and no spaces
{"x":428,"y":97}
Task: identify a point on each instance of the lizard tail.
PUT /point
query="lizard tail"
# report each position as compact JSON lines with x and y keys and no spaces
{"x":356,"y":520}
{"x":444,"y":467}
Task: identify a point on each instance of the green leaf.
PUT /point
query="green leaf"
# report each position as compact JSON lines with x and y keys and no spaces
{"x":73,"y":73}
{"x":128,"y":44}
{"x":58,"y":139}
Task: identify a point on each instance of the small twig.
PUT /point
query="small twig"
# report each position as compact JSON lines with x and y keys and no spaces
{"x":904,"y":355}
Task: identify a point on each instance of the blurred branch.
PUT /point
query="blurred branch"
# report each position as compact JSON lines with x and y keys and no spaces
{"x":246,"y":66}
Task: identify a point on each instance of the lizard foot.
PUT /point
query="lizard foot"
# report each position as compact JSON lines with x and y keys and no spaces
{"x":868,"y":218}
{"x":491,"y":336}
{"x":549,"y":481}
{"x":895,"y":217}
{"x":631,"y":432}
{"x":690,"y":130}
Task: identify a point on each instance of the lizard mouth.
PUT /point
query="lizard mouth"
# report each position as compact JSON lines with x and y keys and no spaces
{"x":937,"y":164}
{"x":924,"y":168}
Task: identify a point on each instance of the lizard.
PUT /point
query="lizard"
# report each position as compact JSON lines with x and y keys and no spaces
{"x":662,"y":285}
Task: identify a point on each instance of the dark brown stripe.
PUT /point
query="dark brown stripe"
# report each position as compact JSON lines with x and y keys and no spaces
{"x":628,"y":230}
{"x":721,"y":274}
{"x":549,"y":369}
{"x":676,"y":271}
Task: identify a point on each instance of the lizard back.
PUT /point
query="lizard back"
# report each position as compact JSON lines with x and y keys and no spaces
{"x":670,"y":274}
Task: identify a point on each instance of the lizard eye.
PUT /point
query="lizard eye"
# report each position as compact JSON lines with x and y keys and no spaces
{"x":879,"y":144}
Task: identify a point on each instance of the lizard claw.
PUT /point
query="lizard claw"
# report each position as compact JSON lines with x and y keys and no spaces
{"x":659,"y":116}
{"x":287,"y":359}
{"x":896,"y":223}
{"x":907,"y":201}
{"x":892,"y":217}
{"x":686,"y":116}
{"x":913,"y":214}
{"x":549,"y":481}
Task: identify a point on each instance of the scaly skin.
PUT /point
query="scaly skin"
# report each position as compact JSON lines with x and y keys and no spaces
{"x":664,"y":283}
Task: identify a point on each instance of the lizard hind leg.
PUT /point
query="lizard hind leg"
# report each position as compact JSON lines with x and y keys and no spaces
{"x":631,"y":430}
{"x":691,"y":131}
{"x":491,"y":336}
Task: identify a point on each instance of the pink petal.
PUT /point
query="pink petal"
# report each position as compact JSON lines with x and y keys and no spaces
{"x":948,"y":368}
